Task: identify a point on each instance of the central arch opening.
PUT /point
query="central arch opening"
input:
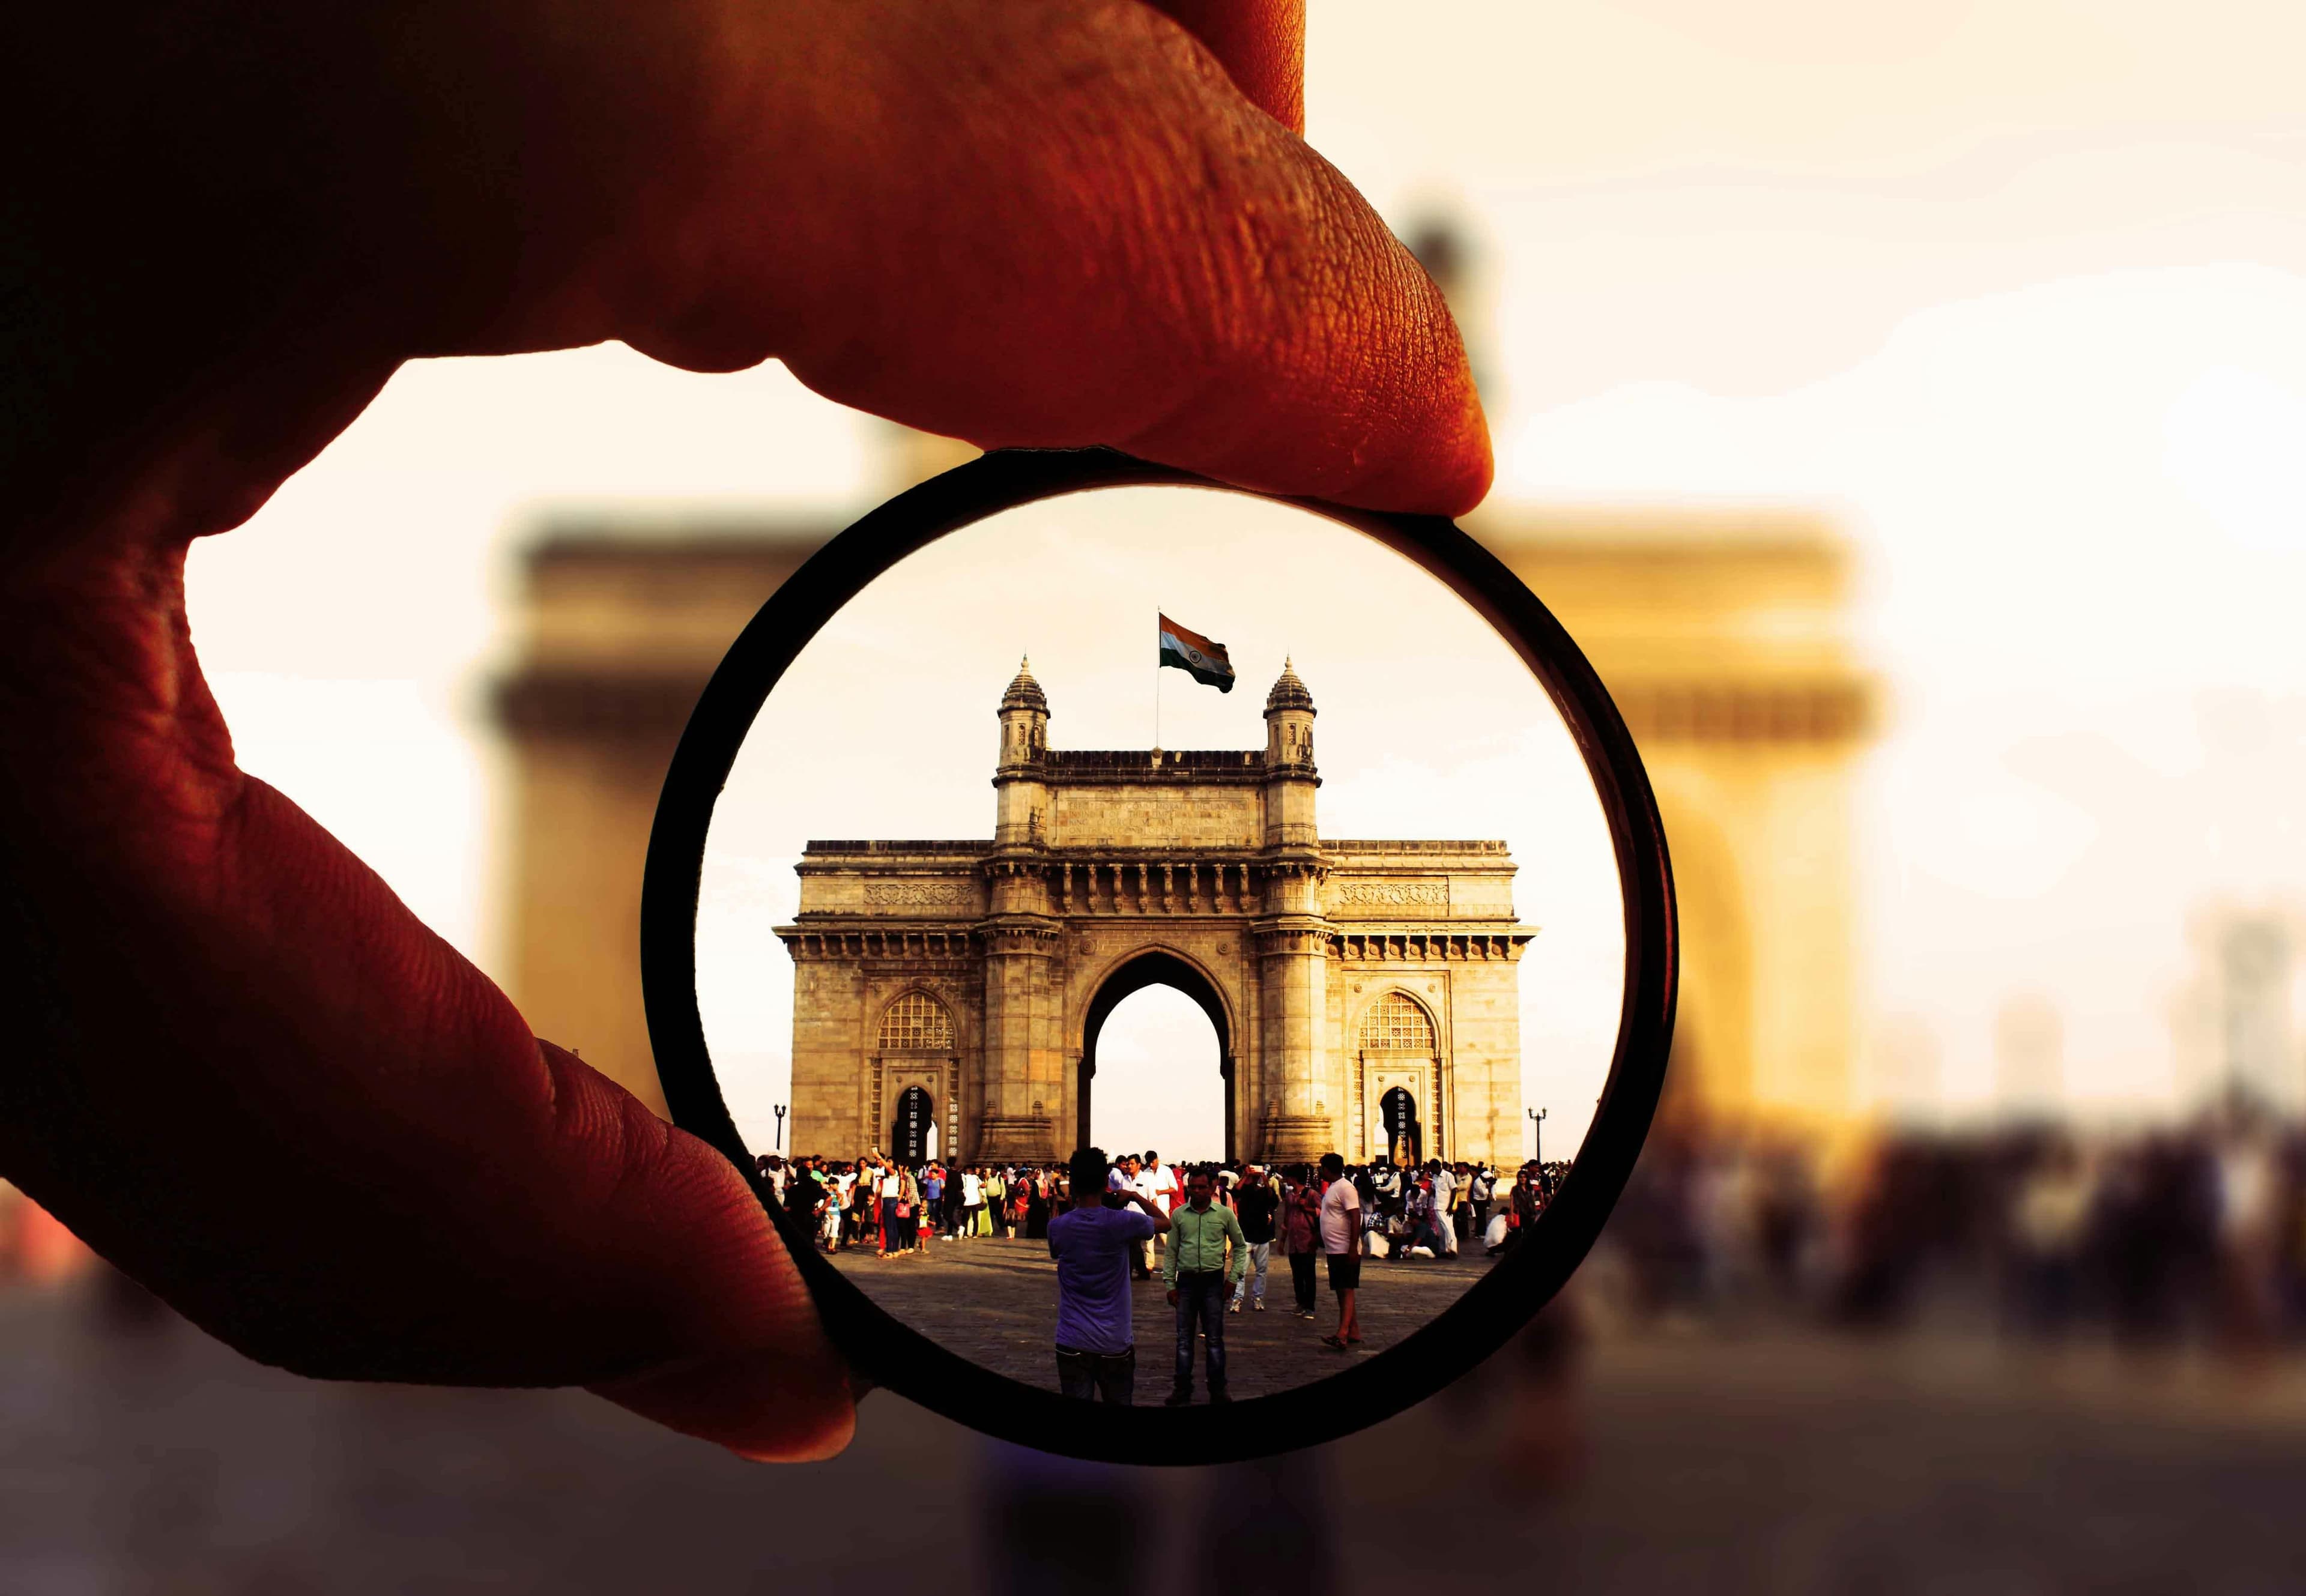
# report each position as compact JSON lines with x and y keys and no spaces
{"x":1157,"y":1063}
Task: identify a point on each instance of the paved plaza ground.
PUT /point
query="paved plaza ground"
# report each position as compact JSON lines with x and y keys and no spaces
{"x":995,"y":1301}
{"x":139,"y":1458}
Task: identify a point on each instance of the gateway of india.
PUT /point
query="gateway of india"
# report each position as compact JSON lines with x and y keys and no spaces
{"x":1365,"y":994}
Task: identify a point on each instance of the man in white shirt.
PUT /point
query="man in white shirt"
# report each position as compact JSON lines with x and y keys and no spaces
{"x":1157,"y":1183}
{"x":1162,"y":1185}
{"x":1445,"y":1188}
{"x":1341,"y":1246}
{"x":1129,"y":1180}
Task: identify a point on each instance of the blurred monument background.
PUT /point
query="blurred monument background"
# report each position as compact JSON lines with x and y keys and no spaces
{"x":1722,"y":633}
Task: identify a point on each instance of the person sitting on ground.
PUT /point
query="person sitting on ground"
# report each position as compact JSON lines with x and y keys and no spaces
{"x":1093,"y":1241}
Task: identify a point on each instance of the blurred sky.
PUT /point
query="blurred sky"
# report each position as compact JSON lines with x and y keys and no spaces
{"x":2018,"y":289}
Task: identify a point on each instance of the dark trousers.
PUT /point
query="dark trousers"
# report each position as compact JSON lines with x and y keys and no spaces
{"x":1200,"y":1305}
{"x":1301,"y":1277}
{"x":1111,"y":1377}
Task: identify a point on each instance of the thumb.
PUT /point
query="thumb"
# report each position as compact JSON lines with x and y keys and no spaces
{"x":253,"y":1079}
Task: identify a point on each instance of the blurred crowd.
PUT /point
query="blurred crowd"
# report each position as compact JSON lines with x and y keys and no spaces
{"x":2195,"y":1232}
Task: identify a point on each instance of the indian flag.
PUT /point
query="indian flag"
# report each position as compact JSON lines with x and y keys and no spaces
{"x":1205,"y":662}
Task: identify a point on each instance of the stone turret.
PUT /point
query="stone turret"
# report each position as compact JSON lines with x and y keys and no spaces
{"x":1289,"y":721}
{"x":1290,"y":776}
{"x":1022,"y":1059}
{"x":1019,"y":778}
{"x":1302,"y":1096}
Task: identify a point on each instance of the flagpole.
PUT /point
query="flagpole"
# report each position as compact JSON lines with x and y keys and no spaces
{"x":1157,"y":681}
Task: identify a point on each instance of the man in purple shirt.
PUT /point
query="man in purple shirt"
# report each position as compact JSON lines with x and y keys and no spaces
{"x":1093,"y":1243}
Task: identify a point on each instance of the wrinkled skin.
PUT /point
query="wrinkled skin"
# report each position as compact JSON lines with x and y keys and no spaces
{"x":239,"y":1067}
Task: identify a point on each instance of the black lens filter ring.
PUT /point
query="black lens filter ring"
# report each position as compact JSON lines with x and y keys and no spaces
{"x":882,"y":1349}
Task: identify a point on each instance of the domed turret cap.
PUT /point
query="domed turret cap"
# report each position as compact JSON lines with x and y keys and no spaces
{"x":1288,"y":692}
{"x":1025,"y":693}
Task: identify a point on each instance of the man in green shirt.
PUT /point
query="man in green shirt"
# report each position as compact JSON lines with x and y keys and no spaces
{"x":1206,"y":1257}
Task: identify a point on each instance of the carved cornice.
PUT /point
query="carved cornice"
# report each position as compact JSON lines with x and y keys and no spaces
{"x":1429,"y":945}
{"x":812,"y":942}
{"x":1301,"y":938}
{"x":1020,"y":937}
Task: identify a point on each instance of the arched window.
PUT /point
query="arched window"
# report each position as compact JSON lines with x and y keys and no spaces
{"x":1396,"y":1023}
{"x":916,"y":1023}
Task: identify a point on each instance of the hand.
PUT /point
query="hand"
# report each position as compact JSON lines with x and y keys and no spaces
{"x":1172,"y":1296}
{"x":240,"y":1068}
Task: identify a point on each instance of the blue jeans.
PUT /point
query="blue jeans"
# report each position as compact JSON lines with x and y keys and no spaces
{"x":1200,"y":1306}
{"x":1252,"y":1288}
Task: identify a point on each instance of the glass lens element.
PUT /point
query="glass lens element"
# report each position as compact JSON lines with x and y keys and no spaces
{"x":1200,"y":829}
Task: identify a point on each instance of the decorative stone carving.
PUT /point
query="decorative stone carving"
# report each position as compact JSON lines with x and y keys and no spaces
{"x":1424,"y":893}
{"x":916,"y":894}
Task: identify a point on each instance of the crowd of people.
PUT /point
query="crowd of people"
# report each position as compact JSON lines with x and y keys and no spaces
{"x":1211,"y":1229}
{"x":897,"y":1209}
{"x":2195,"y":1232}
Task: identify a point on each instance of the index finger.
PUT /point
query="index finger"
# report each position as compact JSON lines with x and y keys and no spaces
{"x":1090,"y":237}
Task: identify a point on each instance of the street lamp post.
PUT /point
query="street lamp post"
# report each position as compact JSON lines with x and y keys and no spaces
{"x":780,"y":1127}
{"x":1537,"y":1139}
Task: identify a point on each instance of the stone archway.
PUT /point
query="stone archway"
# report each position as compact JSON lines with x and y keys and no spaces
{"x":1404,"y":1132}
{"x":1155,"y":967}
{"x":911,"y":1133}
